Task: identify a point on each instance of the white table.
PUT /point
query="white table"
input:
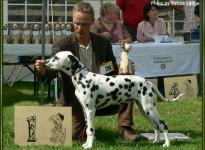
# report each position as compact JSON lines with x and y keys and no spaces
{"x":26,"y":49}
{"x":150,"y":59}
{"x":164,"y":59}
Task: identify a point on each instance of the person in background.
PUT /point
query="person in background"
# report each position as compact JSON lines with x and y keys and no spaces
{"x":148,"y":28}
{"x":195,"y":32}
{"x":189,"y":21}
{"x":109,"y":25}
{"x":151,"y":25}
{"x":197,"y":13}
{"x":132,"y":14}
{"x":93,"y":51}
{"x":187,"y":10}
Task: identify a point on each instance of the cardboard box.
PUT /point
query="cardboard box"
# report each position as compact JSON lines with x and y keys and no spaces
{"x":183,"y":84}
{"x":153,"y":80}
{"x":39,"y":125}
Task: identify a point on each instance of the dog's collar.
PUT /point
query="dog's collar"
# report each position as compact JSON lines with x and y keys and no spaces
{"x":78,"y":70}
{"x":125,"y":51}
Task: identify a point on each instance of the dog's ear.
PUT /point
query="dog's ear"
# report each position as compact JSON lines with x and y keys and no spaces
{"x":75,"y":62}
{"x":61,"y":116}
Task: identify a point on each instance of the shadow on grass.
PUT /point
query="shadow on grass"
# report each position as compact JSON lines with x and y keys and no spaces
{"x":195,"y":137}
{"x":110,"y":137}
{"x":20,"y":92}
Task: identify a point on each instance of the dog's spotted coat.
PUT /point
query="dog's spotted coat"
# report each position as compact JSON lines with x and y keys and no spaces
{"x":95,"y":91}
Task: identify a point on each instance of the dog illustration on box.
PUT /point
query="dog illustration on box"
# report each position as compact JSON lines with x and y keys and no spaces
{"x":189,"y":92}
{"x":58,"y":131}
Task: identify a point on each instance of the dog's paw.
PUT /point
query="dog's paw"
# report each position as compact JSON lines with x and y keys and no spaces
{"x":156,"y":141}
{"x":89,"y":142}
{"x":166,"y":144}
{"x":87,"y":145}
{"x":84,"y":145}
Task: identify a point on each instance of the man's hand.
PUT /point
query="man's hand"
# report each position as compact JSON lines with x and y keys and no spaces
{"x":40,"y":66}
{"x":106,"y":35}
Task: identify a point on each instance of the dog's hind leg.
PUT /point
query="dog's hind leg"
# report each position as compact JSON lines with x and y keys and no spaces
{"x":160,"y":124}
{"x":145,"y":114}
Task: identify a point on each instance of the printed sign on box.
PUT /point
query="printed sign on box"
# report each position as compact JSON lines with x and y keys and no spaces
{"x":39,"y":125}
{"x":183,"y":84}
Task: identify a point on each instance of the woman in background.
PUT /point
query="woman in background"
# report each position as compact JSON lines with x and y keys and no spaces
{"x":151,"y":25}
{"x":109,"y":25}
{"x":197,"y":13}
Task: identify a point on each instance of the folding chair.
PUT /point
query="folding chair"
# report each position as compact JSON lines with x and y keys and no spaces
{"x":16,"y":71}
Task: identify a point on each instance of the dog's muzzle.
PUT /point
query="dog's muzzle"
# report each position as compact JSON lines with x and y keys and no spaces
{"x":47,"y":64}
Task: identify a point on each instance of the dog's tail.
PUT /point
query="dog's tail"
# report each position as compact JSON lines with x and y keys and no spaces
{"x":164,"y":98}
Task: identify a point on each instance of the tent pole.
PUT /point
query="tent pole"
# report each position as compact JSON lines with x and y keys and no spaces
{"x":44,"y":3}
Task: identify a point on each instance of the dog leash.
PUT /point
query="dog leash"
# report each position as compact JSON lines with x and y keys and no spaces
{"x":78,"y":71}
{"x":82,"y":134}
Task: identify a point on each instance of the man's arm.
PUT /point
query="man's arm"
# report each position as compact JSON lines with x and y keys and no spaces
{"x":46,"y":74}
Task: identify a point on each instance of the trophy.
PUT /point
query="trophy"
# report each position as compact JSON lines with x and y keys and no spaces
{"x":36,"y":36}
{"x":125,"y":61}
{"x":63,"y":28}
{"x":49,"y":27}
{"x":26,"y":34}
{"x":48,"y":34}
{"x":68,"y":29}
{"x":5,"y":33}
{"x":57,"y":31}
{"x":15,"y":36}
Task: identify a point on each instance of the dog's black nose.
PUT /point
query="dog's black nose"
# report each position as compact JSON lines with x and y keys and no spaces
{"x":48,"y":65}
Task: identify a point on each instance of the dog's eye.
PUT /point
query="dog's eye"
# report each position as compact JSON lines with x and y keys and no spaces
{"x":55,"y":58}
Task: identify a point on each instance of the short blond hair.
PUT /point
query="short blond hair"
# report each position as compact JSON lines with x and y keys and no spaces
{"x":107,"y":8}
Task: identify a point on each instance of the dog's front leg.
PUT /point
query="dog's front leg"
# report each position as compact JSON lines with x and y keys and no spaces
{"x":167,"y":140}
{"x":157,"y":136}
{"x":90,"y":130}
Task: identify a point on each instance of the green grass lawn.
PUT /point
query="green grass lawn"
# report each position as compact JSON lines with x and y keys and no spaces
{"x":183,"y":116}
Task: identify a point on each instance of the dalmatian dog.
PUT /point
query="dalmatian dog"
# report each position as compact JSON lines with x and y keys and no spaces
{"x":96,"y":91}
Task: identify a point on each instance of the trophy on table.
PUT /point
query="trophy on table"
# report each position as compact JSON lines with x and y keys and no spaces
{"x":26,"y":34}
{"x":15,"y":36}
{"x":68,"y":29}
{"x":48,"y":34}
{"x":63,"y":28}
{"x":125,"y":61}
{"x":50,"y":29}
{"x":57,"y":31}
{"x":36,"y":35}
{"x":5,"y":33}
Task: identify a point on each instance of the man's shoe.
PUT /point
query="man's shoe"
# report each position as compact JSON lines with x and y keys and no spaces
{"x":129,"y":134}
